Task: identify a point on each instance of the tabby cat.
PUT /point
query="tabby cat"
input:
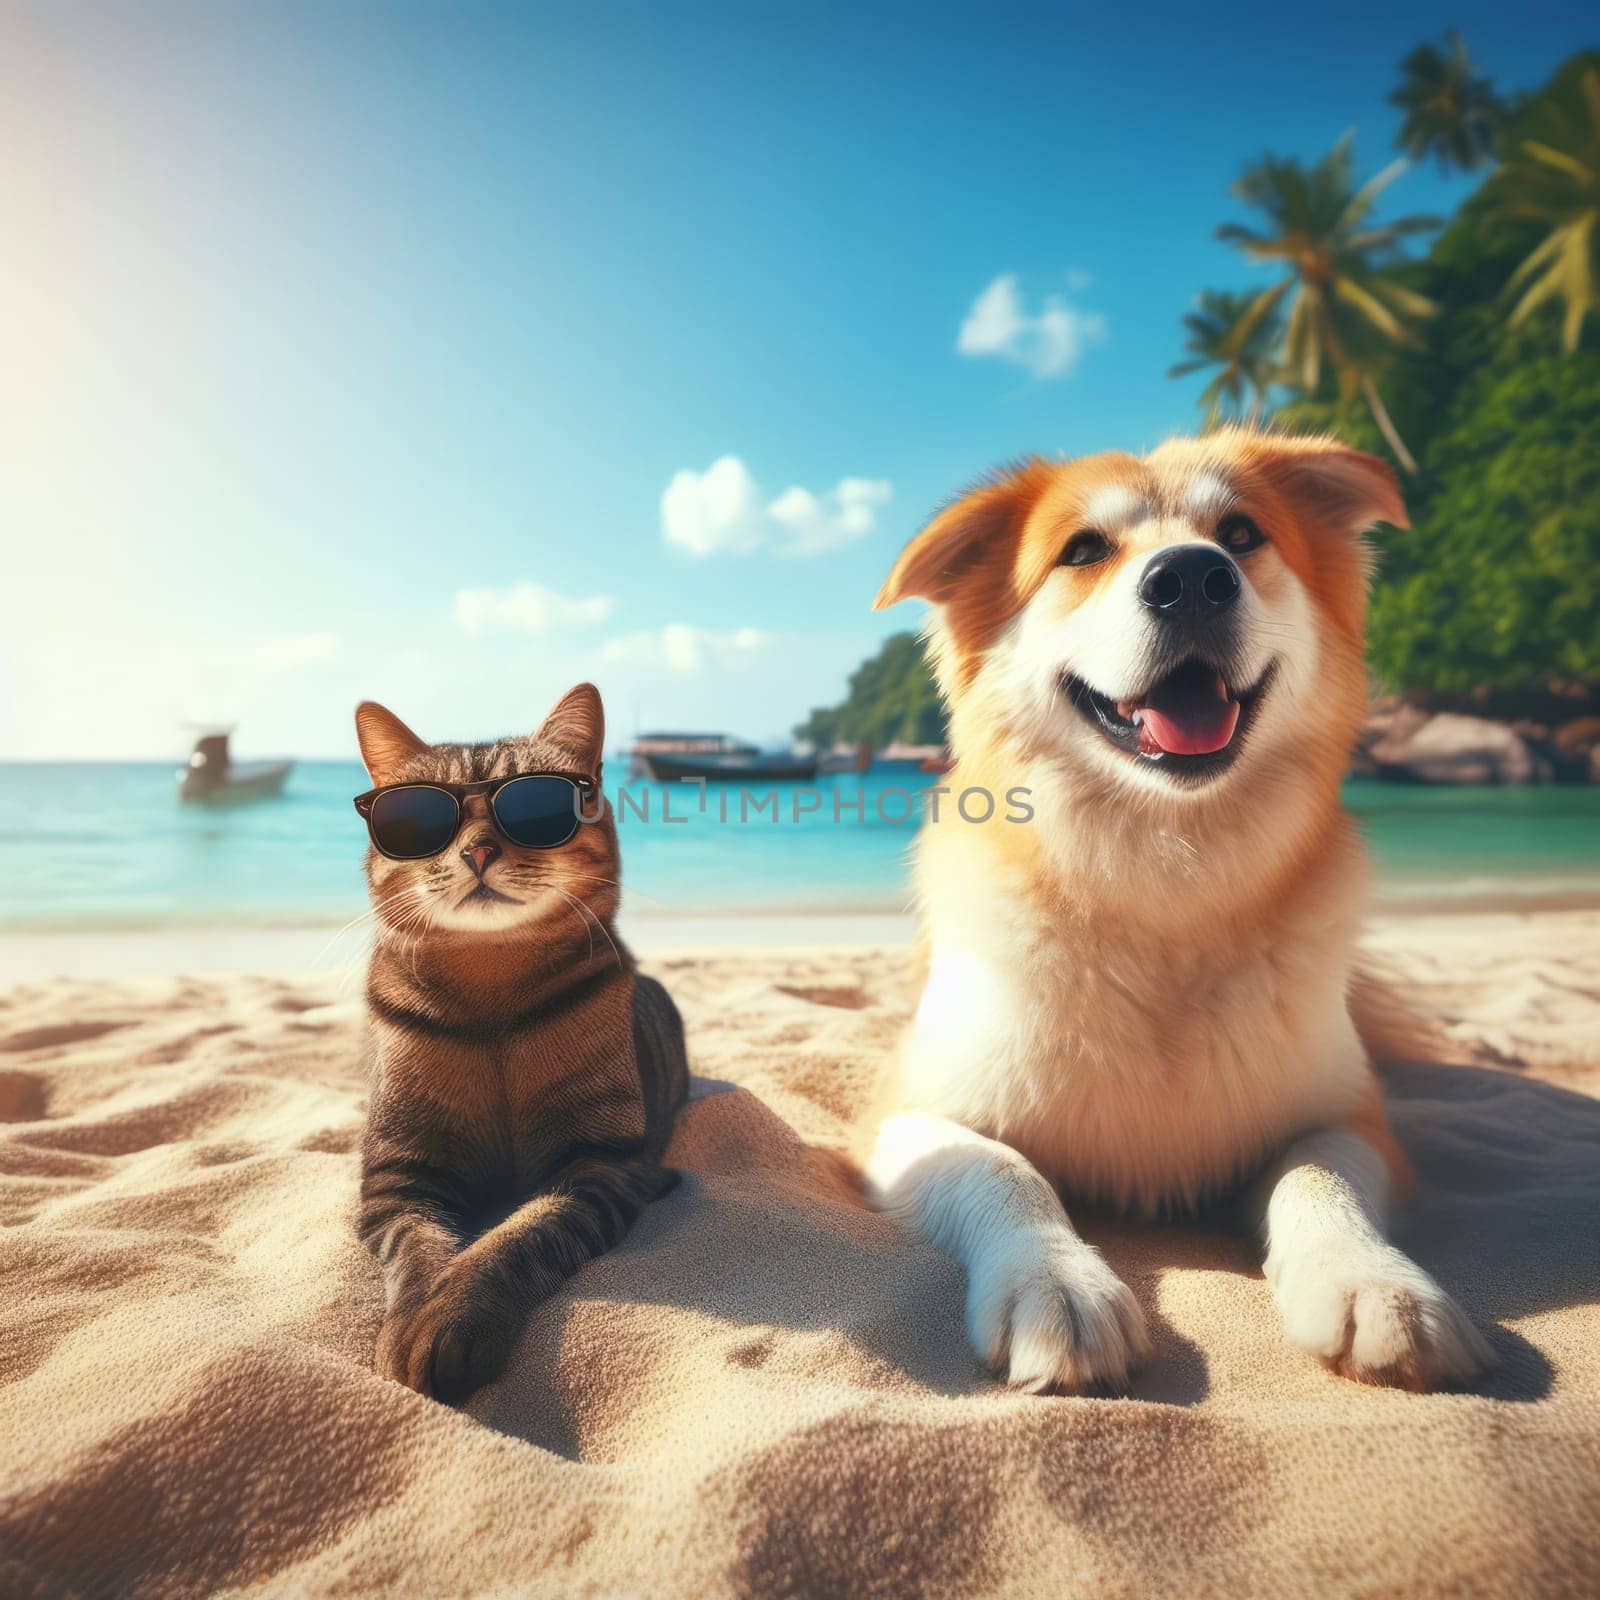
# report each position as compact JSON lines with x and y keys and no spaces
{"x":525,"y":1075}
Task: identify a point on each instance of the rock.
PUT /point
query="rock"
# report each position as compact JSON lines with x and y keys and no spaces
{"x":1568,"y":750}
{"x":1387,"y":719}
{"x":1391,"y":721}
{"x":1578,"y":738}
{"x":1576,"y":747}
{"x":1553,"y":700}
{"x":1454,"y":749}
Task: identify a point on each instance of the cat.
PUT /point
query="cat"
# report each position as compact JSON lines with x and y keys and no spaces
{"x":525,"y":1075}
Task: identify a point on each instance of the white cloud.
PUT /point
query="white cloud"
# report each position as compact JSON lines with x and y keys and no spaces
{"x":681,"y":648}
{"x":721,"y":509}
{"x":1047,"y":343}
{"x":525,"y":608}
{"x":302,"y":650}
{"x":718,"y":509}
{"x":846,"y":512}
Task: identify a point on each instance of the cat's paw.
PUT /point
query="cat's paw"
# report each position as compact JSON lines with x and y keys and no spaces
{"x":1372,"y":1314}
{"x":450,"y":1345}
{"x":1049,"y":1313}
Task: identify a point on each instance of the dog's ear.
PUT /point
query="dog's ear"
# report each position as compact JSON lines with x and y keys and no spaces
{"x":988,"y":514}
{"x":386,"y":742}
{"x":1333,"y":485}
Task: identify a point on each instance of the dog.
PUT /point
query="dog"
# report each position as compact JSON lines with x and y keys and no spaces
{"x":1146,"y":997}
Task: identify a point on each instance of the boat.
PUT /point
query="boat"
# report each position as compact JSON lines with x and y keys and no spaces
{"x":649,"y":745}
{"x":715,"y":758}
{"x":213,"y":777}
{"x":924,"y":757}
{"x":731,"y":769}
{"x":847,"y":758}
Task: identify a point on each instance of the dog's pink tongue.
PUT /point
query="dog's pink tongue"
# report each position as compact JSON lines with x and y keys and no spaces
{"x":1189,"y":714}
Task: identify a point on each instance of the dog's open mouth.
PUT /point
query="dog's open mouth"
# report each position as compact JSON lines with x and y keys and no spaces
{"x":1192,"y":722}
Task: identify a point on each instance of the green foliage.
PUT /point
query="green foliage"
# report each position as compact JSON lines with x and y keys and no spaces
{"x":1450,"y":111}
{"x":1498,"y":582}
{"x":1345,"y":308}
{"x":891,"y":696}
{"x":1497,"y":585}
{"x":1245,"y":366}
{"x":1551,"y":178}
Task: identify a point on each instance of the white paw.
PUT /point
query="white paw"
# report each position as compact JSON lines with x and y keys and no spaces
{"x":1374,"y":1315}
{"x":1050,"y":1314}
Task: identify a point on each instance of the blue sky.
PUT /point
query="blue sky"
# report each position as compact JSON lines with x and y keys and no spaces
{"x":354,"y":350}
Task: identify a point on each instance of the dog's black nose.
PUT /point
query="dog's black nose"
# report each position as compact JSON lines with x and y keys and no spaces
{"x":1194,"y":580}
{"x":479,"y":854}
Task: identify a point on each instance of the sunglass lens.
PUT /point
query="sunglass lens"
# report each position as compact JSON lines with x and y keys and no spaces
{"x":414,"y":822}
{"x":537,"y":813}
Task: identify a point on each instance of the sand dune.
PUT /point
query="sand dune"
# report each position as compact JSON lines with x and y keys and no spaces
{"x":766,"y":1390}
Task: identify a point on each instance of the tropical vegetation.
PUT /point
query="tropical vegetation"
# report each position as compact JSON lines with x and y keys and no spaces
{"x":1345,"y":311}
{"x":1474,"y":367}
{"x":1451,"y":113}
{"x":1495,"y":591}
{"x":891,"y":696}
{"x":1246,"y":365}
{"x":1551,"y":179}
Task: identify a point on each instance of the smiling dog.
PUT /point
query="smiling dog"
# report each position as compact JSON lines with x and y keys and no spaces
{"x":1144,"y":997}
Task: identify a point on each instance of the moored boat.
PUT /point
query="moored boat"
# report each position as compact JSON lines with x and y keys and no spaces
{"x":847,"y":758}
{"x":755,"y":768}
{"x":213,"y":777}
{"x":716,"y":758}
{"x":647,"y":746}
{"x":924,"y":757}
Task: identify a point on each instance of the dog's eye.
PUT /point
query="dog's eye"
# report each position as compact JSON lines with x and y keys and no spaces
{"x":1086,"y":549}
{"x":1239,"y":536}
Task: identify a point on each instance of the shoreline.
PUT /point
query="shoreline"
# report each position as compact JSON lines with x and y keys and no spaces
{"x":310,"y":949}
{"x":313,"y":948}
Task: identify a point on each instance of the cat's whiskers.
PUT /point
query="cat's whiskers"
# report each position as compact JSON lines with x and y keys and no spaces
{"x":616,"y":883}
{"x":369,"y":915}
{"x":418,"y":921}
{"x":589,"y":918}
{"x":404,"y":933}
{"x":353,"y":964}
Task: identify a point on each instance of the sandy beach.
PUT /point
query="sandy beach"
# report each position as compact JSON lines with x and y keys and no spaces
{"x":766,"y":1389}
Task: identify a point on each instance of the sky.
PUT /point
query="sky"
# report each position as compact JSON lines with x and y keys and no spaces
{"x":449,"y":354}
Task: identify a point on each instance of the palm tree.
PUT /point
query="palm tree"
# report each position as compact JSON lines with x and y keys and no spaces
{"x":1345,"y":310}
{"x":1247,"y":370}
{"x":1450,"y":112}
{"x":1551,"y":176}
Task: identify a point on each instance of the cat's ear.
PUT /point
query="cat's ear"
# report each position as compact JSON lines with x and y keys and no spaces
{"x":387,"y":744}
{"x":577,"y":724}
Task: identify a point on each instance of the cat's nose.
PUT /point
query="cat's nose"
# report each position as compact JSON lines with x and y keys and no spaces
{"x":479,"y":854}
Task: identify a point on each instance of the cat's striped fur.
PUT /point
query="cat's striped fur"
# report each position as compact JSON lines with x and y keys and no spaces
{"x":525,"y":1075}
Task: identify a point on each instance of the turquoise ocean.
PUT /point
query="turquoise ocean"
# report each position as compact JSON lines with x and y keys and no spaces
{"x":107,"y":846}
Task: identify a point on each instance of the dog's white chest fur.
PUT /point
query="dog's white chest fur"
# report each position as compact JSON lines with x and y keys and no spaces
{"x":1144,"y":1073}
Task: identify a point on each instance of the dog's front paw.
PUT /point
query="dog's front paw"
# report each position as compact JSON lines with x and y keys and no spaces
{"x":1051,"y":1315}
{"x":1374,"y":1315}
{"x":454,"y":1342}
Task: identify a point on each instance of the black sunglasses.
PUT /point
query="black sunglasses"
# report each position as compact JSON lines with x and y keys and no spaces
{"x":537,"y":810}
